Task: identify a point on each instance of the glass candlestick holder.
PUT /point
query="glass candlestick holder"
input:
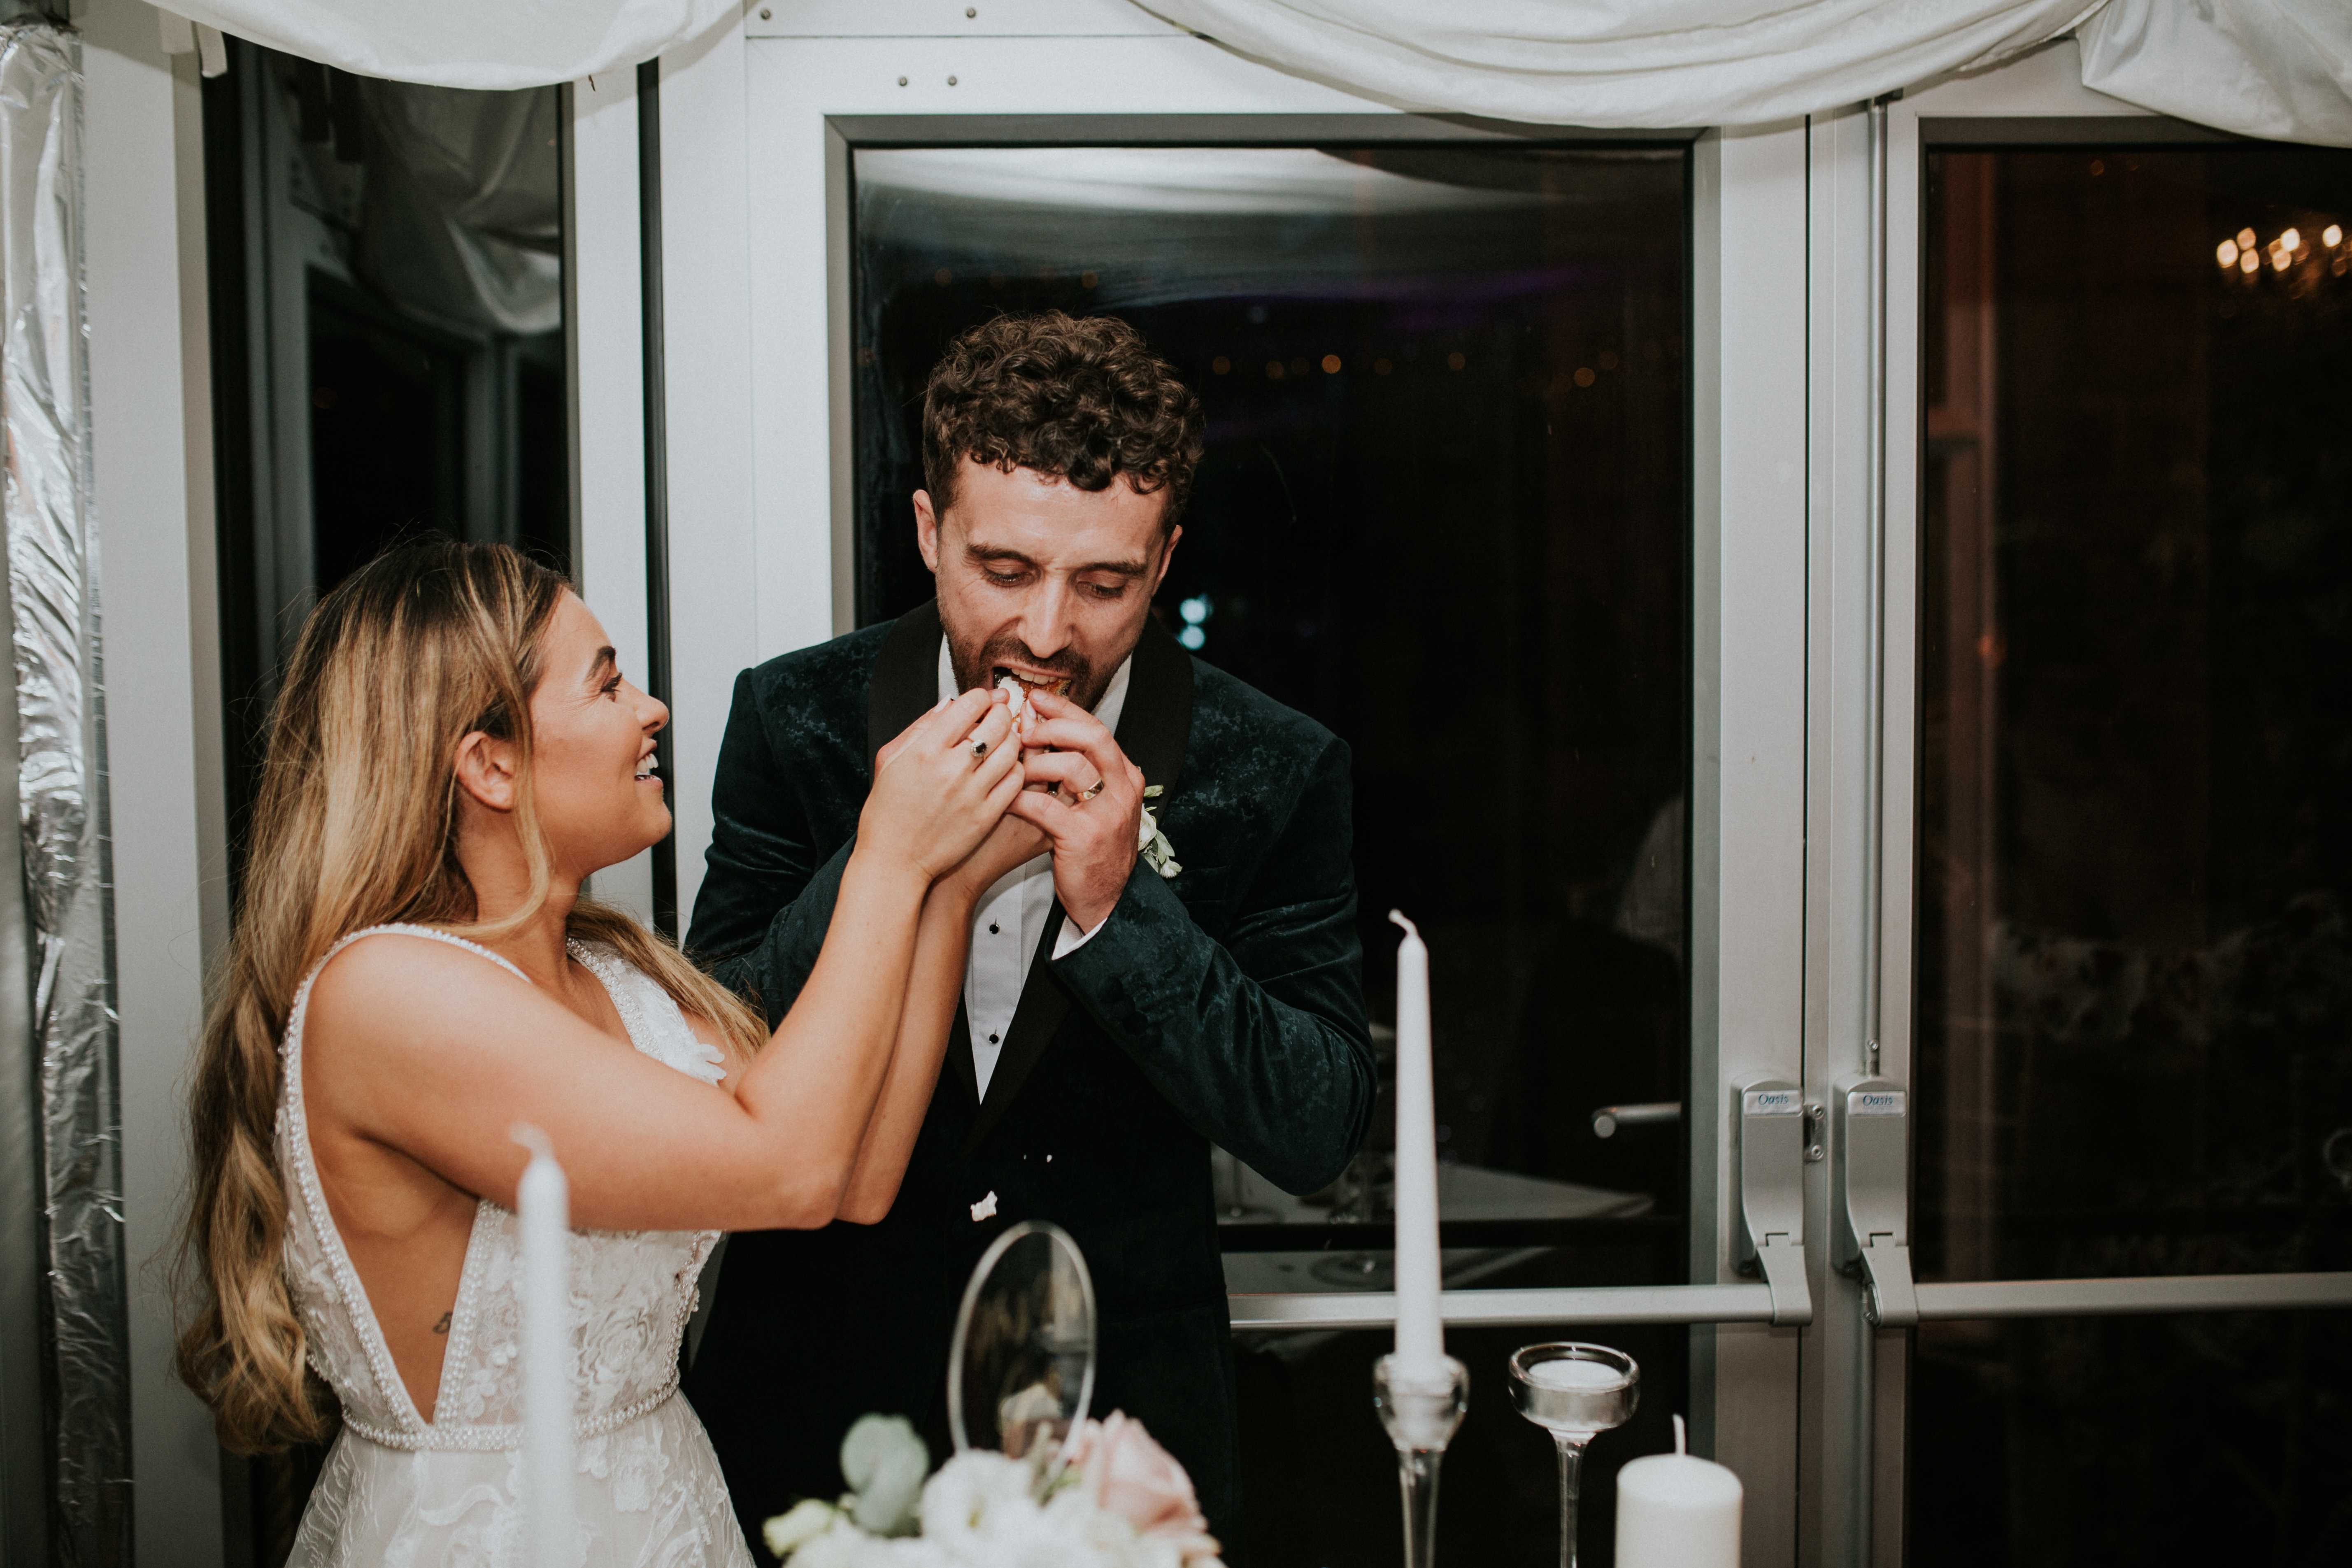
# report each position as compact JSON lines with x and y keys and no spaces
{"x":1421,"y":1408}
{"x":1574,"y":1392}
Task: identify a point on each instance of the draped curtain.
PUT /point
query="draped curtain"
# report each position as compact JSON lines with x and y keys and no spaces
{"x":2278,"y":69}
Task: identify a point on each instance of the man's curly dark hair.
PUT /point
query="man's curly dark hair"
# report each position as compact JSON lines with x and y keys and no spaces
{"x":1083,"y":398}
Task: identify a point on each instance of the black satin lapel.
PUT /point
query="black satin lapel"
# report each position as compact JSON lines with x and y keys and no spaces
{"x":960,"y":1065}
{"x":1155,"y":728}
{"x":1044,"y":1006}
{"x":906,"y":683}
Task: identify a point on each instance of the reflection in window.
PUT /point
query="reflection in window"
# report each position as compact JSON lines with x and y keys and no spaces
{"x":2135,"y":1030}
{"x":1445,"y":511}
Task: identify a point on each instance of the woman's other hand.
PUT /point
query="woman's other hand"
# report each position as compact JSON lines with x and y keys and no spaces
{"x":1011,"y":842}
{"x":940,"y":787}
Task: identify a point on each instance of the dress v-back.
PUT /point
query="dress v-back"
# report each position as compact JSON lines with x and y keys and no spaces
{"x":405,"y":1492}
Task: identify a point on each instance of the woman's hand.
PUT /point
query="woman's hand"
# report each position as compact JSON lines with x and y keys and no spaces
{"x":1011,"y":843}
{"x":940,"y":787}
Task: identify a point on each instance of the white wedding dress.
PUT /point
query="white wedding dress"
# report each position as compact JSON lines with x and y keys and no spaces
{"x":403,"y":1492}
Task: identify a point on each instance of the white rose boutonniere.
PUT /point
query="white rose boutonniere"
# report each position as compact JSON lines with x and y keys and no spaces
{"x":1153,"y":844}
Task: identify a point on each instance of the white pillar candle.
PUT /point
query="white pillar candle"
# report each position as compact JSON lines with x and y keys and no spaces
{"x":1419,"y":1332}
{"x":543,"y":1205}
{"x":1677,"y":1510}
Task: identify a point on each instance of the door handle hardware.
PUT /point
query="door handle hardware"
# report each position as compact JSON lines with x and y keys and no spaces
{"x":1609,"y":1118}
{"x":1769,"y":1132}
{"x":1869,"y":1197}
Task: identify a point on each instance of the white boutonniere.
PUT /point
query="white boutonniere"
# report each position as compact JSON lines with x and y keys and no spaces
{"x":1153,"y":844}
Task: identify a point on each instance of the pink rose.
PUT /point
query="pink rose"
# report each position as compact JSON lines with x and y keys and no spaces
{"x":1128,"y":1474}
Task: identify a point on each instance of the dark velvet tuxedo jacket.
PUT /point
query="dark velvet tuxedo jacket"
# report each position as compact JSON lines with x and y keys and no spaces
{"x":1224,"y":1005}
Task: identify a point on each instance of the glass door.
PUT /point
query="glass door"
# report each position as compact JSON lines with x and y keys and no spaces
{"x":1444,"y":511}
{"x":1507,"y":485}
{"x":2129,"y":1017}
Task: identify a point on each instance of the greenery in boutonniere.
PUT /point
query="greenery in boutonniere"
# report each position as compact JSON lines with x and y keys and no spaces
{"x":1153,"y":844}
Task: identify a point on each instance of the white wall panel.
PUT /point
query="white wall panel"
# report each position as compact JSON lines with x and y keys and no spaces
{"x":715,"y":553}
{"x":605,"y":325}
{"x":151,"y":444}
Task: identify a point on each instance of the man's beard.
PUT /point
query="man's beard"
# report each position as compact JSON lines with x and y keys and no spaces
{"x":978,"y":668}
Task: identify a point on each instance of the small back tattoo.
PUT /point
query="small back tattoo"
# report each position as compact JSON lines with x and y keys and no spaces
{"x":441,"y":1327}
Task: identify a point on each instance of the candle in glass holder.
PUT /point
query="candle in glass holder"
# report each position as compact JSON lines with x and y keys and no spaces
{"x":1420,"y":1332}
{"x":1565,"y":1372}
{"x":1677,"y":1510}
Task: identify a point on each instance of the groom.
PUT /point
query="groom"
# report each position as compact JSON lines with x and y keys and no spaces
{"x":1116,"y":1022}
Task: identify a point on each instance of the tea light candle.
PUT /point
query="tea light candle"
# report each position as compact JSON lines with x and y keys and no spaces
{"x":543,"y":1213}
{"x":1568,"y":1373}
{"x":1676,"y":1511}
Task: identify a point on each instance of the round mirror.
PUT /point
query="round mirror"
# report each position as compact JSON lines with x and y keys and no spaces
{"x":1022,"y":1367}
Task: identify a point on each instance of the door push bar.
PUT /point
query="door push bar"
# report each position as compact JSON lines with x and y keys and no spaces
{"x":1769,"y":1154}
{"x":1869,"y":1200}
{"x":1652,"y":1113}
{"x":1769,"y":1145}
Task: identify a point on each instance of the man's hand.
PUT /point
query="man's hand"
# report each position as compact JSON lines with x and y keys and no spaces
{"x":1092,"y":837}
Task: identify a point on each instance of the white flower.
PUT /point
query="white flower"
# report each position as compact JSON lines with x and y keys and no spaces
{"x":1153,"y":844}
{"x":884,"y":1459}
{"x":972,"y":1492}
{"x":807,"y":1519}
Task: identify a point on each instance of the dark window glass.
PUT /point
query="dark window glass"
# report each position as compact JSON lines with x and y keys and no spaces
{"x":1445,"y":511}
{"x":2135,"y":1030}
{"x":387,"y":428}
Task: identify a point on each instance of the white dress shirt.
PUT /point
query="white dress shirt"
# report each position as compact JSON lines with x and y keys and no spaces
{"x":1009,"y":920}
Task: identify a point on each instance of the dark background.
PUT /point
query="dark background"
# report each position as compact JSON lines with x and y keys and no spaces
{"x":2158,"y":880}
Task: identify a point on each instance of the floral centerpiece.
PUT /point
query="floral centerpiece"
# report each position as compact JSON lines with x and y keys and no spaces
{"x":1120,"y":1501}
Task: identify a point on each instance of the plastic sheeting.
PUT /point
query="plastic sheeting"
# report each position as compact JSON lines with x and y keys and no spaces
{"x":2264,"y":68}
{"x":52,"y":551}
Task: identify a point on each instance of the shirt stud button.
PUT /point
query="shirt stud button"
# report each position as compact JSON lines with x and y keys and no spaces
{"x":991,"y":928}
{"x":992,"y":1040}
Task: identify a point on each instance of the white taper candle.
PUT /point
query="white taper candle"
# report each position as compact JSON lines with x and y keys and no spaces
{"x":543,"y":1206}
{"x":1419,"y":1332}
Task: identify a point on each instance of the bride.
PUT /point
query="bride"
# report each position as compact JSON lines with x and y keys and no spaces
{"x":414,"y":971}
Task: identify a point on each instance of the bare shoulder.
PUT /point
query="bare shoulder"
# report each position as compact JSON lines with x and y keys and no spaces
{"x":395,"y":986}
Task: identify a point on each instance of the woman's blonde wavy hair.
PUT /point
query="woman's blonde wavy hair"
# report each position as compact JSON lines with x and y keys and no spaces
{"x":355,"y":826}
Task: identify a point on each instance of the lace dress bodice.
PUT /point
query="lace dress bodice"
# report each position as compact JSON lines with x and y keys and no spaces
{"x":632,"y":1295}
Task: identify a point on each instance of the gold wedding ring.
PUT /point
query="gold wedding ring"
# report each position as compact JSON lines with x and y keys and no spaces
{"x":1091,"y":790}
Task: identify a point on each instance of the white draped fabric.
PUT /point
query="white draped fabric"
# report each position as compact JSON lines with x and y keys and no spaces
{"x":466,"y":43}
{"x":2277,"y":68}
{"x":1651,"y":63}
{"x":2264,"y":68}
{"x":2280,"y":68}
